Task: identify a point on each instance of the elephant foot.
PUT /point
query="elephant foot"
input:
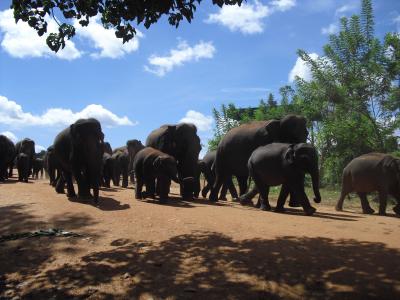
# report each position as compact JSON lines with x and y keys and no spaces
{"x":265,"y":207}
{"x":69,"y":195}
{"x":244,"y":201}
{"x":310,"y":211}
{"x":368,"y":211}
{"x":382,"y":213}
{"x":223,"y":198}
{"x":213,"y":198}
{"x":396,"y":210}
{"x":279,"y":209}
{"x":204,"y":194}
{"x":294,"y":203}
{"x":138,"y":196}
{"x":85,"y":196}
{"x":338,"y":208}
{"x":163,"y":200}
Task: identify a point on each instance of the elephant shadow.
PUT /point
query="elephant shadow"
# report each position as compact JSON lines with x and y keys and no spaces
{"x":174,"y":201}
{"x":104,"y":203}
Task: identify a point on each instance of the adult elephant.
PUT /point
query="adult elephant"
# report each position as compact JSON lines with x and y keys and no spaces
{"x":38,"y":165}
{"x":182,"y":142}
{"x":108,"y":169}
{"x":236,"y":146}
{"x":7,"y":155}
{"x":369,"y":173}
{"x":208,"y":169}
{"x":79,"y":151}
{"x":120,"y":163}
{"x":26,"y":146}
{"x":107,"y":148}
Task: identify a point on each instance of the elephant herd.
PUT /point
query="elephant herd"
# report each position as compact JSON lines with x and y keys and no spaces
{"x":271,"y":153}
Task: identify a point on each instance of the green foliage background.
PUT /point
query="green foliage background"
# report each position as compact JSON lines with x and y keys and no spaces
{"x":352,"y":103}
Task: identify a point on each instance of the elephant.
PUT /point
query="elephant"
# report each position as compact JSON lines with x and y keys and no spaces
{"x":108,"y":169}
{"x":51,"y":166}
{"x":37,"y":168}
{"x":182,"y":142}
{"x":207,"y":168}
{"x":107,"y":148}
{"x":368,"y":173}
{"x":7,"y":156}
{"x":151,"y":164}
{"x":284,"y":164}
{"x":26,"y":146}
{"x":133,"y":146}
{"x":79,"y":152}
{"x":23,"y":166}
{"x":120,"y":162}
{"x":237,"y":145}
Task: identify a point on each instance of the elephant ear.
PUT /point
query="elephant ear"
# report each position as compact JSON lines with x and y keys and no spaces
{"x":290,"y":154}
{"x":273,"y":129}
{"x":390,"y":163}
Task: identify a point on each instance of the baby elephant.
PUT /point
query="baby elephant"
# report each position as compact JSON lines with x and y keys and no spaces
{"x":285,"y":164}
{"x":151,"y":164}
{"x":23,"y":167}
{"x":368,"y":173}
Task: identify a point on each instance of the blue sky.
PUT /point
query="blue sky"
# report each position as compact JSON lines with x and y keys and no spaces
{"x":166,"y":75}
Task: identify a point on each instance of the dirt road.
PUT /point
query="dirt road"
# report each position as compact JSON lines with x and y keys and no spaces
{"x":131,"y":249}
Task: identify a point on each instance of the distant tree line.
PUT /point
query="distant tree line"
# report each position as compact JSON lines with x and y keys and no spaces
{"x":352,"y":102}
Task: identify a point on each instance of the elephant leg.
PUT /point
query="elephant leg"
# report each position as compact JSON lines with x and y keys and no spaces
{"x":294,"y":202}
{"x":396,"y":209}
{"x":224,"y":190}
{"x":242,"y":181}
{"x":205,"y":190}
{"x":67,"y":176}
{"x":232,"y":189}
{"x":138,"y":188}
{"x":151,"y":187}
{"x":124,"y":179}
{"x":366,"y":208}
{"x":264,"y":203}
{"x":299,"y":193}
{"x":283,"y":194}
{"x":339,"y":204}
{"x":220,"y":179}
{"x":246,"y":198}
{"x":382,"y":202}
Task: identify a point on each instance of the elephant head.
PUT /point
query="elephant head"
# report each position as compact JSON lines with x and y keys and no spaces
{"x":304,"y":157}
{"x":392,"y":165}
{"x":268,"y":133}
{"x":166,"y":165}
{"x":107,"y":148}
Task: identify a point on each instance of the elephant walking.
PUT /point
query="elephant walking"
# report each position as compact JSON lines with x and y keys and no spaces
{"x":368,"y":173}
{"x":51,"y":166}
{"x":237,"y":145}
{"x":37,"y":167}
{"x":26,"y":146}
{"x":208,"y":169}
{"x":182,"y":142}
{"x":120,"y":162}
{"x":23,"y":166}
{"x":7,"y":156}
{"x":286,"y":164}
{"x":79,"y":150}
{"x":150,"y":165}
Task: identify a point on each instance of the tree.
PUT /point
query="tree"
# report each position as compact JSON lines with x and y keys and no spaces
{"x":271,"y":101}
{"x":353,"y":96}
{"x":120,"y":15}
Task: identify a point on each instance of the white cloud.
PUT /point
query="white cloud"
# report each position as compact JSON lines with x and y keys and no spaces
{"x":331,"y":29}
{"x":160,"y":65}
{"x":12,"y":114}
{"x":246,"y":18}
{"x":105,"y":40}
{"x":39,"y":148}
{"x":345,"y":8}
{"x":283,"y":5}
{"x":19,"y":40}
{"x":10,"y":135}
{"x":202,"y":122}
{"x":301,"y":69}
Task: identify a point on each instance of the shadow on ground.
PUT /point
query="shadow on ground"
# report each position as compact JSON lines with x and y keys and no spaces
{"x":213,"y":266}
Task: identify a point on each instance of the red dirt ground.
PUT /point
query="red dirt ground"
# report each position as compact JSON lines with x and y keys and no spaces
{"x":133,"y":249}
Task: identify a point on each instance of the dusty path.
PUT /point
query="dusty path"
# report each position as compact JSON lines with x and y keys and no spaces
{"x":189,"y":250}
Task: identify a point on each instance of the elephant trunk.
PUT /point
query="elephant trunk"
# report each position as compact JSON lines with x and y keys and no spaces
{"x":315,"y":184}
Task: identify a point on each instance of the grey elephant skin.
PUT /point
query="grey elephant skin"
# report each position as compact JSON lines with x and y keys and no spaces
{"x":369,"y":173}
{"x":236,"y":146}
{"x":26,"y":146}
{"x":207,"y":167}
{"x":37,"y":167}
{"x":182,"y":142}
{"x":286,"y":165}
{"x":51,"y":166}
{"x":120,"y":162}
{"x":23,"y":167}
{"x":150,"y":165}
{"x":133,"y":146}
{"x":79,"y":152}
{"x":108,"y":169}
{"x":7,"y":156}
